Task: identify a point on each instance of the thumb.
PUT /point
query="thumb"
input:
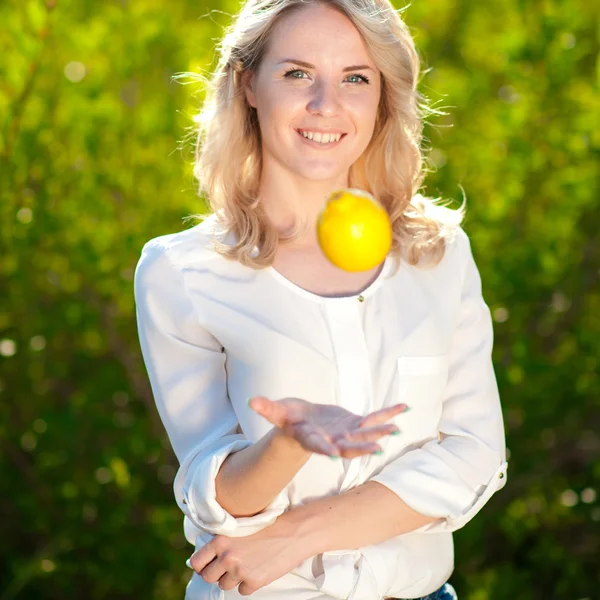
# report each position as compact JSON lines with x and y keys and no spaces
{"x":272,"y":411}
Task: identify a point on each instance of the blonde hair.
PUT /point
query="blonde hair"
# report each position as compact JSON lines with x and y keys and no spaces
{"x":392,"y":168}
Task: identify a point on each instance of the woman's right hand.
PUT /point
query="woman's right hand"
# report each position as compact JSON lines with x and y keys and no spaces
{"x":327,"y":429}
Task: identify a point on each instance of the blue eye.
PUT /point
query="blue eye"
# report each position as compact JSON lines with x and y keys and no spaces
{"x":364,"y":78}
{"x":294,"y":71}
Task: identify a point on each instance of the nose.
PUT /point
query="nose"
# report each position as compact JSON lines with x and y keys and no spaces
{"x":325,"y":100}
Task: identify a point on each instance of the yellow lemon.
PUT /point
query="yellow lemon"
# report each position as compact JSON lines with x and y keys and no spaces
{"x":354,"y":230}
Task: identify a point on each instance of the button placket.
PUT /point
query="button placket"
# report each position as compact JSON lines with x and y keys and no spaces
{"x":353,"y":366}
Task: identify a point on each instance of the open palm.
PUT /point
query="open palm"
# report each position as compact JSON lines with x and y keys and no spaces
{"x":328,"y":429}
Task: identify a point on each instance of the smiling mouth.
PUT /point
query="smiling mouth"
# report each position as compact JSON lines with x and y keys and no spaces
{"x":308,"y":139}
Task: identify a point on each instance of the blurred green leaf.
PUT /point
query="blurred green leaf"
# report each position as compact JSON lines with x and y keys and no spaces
{"x":92,"y":166}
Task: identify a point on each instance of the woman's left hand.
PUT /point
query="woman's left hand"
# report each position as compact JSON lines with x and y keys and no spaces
{"x":251,"y":562}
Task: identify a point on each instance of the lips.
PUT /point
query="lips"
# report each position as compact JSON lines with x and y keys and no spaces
{"x":319,"y":143}
{"x":334,"y":131}
{"x":321,"y":131}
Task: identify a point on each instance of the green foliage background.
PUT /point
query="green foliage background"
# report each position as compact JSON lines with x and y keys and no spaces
{"x":93,"y":164}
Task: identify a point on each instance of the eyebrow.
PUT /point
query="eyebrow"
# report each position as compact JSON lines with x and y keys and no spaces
{"x":309,"y":66}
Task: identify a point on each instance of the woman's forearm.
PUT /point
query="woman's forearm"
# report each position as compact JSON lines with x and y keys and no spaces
{"x":250,"y":479}
{"x":375,"y":513}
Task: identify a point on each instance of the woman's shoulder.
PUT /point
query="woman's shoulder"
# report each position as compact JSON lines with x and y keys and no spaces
{"x":188,"y":248}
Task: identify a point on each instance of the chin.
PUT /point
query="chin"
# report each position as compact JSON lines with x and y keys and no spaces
{"x":318,"y":171}
{"x":324,"y":177}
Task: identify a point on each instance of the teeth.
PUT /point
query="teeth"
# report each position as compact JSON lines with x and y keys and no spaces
{"x":323,"y":138}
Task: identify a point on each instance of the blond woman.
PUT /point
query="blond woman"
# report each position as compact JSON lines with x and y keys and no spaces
{"x":283,"y":381}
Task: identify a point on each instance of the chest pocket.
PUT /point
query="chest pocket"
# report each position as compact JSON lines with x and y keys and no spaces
{"x":421,"y":384}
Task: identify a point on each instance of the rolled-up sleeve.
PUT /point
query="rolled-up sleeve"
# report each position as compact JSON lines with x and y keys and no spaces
{"x":186,"y":369}
{"x":454,"y":476}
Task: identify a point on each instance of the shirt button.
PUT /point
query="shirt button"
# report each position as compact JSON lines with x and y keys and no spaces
{"x":184,"y":501}
{"x":501,"y":476}
{"x":361,"y":298}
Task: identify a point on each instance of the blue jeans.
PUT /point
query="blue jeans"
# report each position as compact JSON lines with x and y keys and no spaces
{"x":446,"y":592}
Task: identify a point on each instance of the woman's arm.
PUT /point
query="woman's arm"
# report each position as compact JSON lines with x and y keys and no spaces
{"x":250,"y":479}
{"x":186,"y":368}
{"x":375,"y":512}
{"x":455,"y":475}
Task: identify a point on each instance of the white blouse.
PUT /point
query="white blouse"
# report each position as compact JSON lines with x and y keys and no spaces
{"x":214,"y":332}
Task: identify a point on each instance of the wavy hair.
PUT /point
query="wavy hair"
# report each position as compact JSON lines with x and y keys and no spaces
{"x":228,"y":158}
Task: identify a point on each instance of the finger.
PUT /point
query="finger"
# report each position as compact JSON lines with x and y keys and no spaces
{"x":381,"y":416}
{"x":213,"y":571}
{"x":229,"y":581}
{"x":272,"y":411}
{"x":371,"y":434}
{"x":349,"y":449}
{"x":201,"y":558}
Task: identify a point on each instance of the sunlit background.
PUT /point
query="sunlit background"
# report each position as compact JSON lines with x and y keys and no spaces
{"x":95,"y":159}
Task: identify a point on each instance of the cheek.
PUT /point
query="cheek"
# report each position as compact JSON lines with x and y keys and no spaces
{"x":279,"y":105}
{"x":365,"y":110}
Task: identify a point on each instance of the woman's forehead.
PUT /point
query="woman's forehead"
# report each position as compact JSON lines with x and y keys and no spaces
{"x":319,"y":38}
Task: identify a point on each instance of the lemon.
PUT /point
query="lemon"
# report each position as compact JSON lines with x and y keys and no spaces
{"x":354,"y":230}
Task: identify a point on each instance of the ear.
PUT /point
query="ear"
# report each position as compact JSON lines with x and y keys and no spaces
{"x":248,"y":86}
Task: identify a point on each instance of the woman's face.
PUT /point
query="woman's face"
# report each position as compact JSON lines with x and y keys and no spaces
{"x":337,"y":89}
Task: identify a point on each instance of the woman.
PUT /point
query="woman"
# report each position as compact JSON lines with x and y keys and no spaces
{"x":245,"y":305}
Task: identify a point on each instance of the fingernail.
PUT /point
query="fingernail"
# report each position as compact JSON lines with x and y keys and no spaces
{"x":397,"y":432}
{"x":333,"y":456}
{"x":378,"y":452}
{"x":406,"y":409}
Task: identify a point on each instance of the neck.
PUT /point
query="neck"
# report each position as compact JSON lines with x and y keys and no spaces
{"x":290,"y":200}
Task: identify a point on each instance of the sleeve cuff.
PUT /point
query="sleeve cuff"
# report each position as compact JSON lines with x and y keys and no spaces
{"x":430,"y":486}
{"x":197,"y":498}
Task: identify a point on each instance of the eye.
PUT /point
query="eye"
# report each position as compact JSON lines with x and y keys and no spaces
{"x":363,"y":77}
{"x":288,"y":74}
